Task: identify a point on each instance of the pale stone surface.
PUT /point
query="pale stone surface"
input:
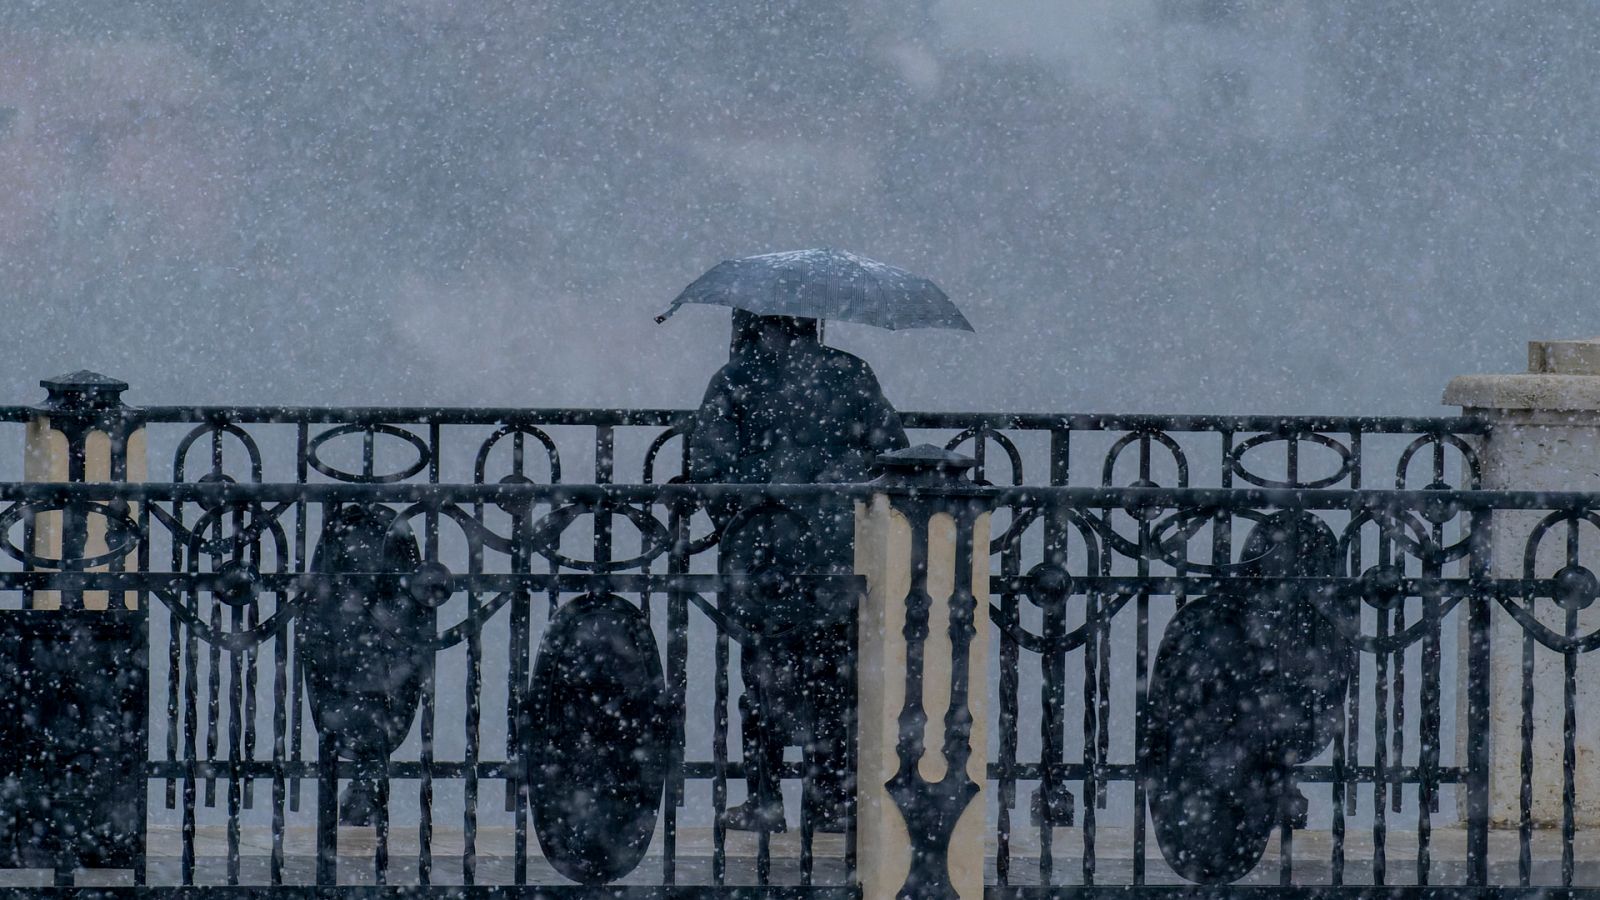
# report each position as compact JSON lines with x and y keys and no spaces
{"x":883,"y":556}
{"x":1545,"y":437}
{"x":45,"y":460}
{"x":1565,"y":357}
{"x":1552,"y":395}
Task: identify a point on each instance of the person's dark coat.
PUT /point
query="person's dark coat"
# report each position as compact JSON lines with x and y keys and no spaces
{"x":788,"y":410}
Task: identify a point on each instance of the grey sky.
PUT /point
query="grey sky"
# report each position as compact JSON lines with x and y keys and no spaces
{"x":1183,"y":205}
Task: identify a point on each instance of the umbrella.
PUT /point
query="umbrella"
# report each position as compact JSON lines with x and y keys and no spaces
{"x":824,"y":284}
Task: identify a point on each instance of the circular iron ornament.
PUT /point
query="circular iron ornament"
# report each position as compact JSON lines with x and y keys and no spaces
{"x":429,"y":585}
{"x":1214,"y":777}
{"x":597,"y":739}
{"x":1346,"y":461}
{"x":237,"y":583}
{"x":122,"y":534}
{"x":1381,"y":587}
{"x":1051,"y":585}
{"x":314,"y":458}
{"x":517,"y":506}
{"x":212,"y":505}
{"x":1144,"y":510}
{"x":1439,"y":510}
{"x":1575,"y":588}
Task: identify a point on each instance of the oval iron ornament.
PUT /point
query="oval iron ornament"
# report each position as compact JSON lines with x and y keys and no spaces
{"x":1214,"y":776}
{"x":596,"y":739}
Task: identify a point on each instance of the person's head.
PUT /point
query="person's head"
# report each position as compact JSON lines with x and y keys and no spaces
{"x":771,"y":335}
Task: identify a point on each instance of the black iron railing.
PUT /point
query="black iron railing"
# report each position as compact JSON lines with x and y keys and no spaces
{"x":1350,"y":561}
{"x":237,"y":731}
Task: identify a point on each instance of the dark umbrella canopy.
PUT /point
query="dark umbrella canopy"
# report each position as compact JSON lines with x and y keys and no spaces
{"x":824,"y":284}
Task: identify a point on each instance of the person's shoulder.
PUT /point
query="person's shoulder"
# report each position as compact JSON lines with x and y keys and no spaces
{"x":843,"y":361}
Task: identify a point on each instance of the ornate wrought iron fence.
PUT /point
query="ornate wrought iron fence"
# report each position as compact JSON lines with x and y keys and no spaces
{"x":238,"y":726}
{"x":1215,"y":602}
{"x":1085,"y":579}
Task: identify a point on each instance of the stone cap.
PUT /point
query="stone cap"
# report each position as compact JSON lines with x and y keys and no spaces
{"x":1564,"y":357}
{"x":83,"y":389}
{"x":1562,"y":376}
{"x":925,"y":461}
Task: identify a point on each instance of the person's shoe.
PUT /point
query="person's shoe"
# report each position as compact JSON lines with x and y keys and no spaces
{"x":358,"y":805}
{"x":1054,"y":809}
{"x":752,"y":816}
{"x":831,"y":821}
{"x":1299,"y":808}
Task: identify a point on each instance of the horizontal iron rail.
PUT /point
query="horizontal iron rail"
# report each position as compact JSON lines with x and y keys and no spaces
{"x":403,"y":770}
{"x":567,"y":582}
{"x":437,"y":892}
{"x":1285,"y":892}
{"x":1108,"y":498}
{"x":455,"y":415}
{"x":1307,"y":774}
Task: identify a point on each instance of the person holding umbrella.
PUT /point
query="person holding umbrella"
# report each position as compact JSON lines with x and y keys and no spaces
{"x":786,"y":409}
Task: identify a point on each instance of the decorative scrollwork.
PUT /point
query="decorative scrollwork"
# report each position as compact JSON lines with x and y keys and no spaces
{"x":1346,"y":467}
{"x":369,"y":432}
{"x":123,"y":533}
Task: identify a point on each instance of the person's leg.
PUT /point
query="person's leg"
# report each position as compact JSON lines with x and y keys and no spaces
{"x":762,"y":741}
{"x":830,"y":692}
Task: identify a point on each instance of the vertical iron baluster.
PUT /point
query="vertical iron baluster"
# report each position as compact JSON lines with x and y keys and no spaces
{"x":297,"y":680}
{"x":1397,"y":796}
{"x":280,"y":690}
{"x":252,"y":616}
{"x":469,"y":813}
{"x":1478,"y":656}
{"x":235,"y":743}
{"x":1351,"y":713}
{"x":144,"y":599}
{"x":1336,"y":860}
{"x":175,"y":630}
{"x":174,"y":638}
{"x":214,"y":676}
{"x":327,"y":810}
{"x":235,"y":711}
{"x":1380,"y":750}
{"x":1428,"y":746}
{"x":1525,"y":758}
{"x":1009,"y":661}
{"x":719,"y":764}
{"x":520,"y":631}
{"x":252,"y":661}
{"x":807,"y":826}
{"x":1569,"y":719}
{"x":604,"y":464}
{"x":380,"y":823}
{"x":1141,"y":678}
{"x":426,"y":710}
{"x":190,"y":741}
{"x":1091,"y":759}
{"x":677,"y":686}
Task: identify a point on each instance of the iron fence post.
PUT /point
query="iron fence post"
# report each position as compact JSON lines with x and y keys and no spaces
{"x":73,"y":666}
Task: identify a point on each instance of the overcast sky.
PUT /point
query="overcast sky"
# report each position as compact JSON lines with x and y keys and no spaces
{"x":1158,"y":205}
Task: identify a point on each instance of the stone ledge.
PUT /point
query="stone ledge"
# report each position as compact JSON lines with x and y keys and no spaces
{"x":1574,"y":393}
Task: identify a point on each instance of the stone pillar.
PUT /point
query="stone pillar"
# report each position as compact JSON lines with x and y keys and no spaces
{"x":922,"y":544}
{"x":1545,"y":437}
{"x":82,"y":433}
